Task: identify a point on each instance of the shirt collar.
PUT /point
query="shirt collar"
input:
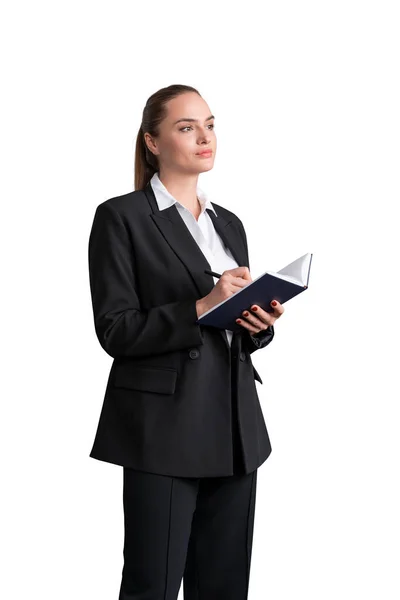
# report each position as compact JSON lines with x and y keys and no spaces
{"x":165,"y":199}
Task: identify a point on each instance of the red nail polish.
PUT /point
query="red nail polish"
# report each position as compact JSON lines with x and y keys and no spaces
{"x":238,"y":321}
{"x":273,"y":302}
{"x":246,"y":314}
{"x":254,"y":308}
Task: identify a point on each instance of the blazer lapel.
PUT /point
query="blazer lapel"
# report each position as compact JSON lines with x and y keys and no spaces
{"x":230,"y":237}
{"x":176,"y":233}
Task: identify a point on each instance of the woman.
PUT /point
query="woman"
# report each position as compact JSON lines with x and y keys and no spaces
{"x":181,"y":412}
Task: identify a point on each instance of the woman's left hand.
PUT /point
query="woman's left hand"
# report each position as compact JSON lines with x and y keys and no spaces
{"x":256,"y":319}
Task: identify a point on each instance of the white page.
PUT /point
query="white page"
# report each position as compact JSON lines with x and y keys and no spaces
{"x":298,"y":269}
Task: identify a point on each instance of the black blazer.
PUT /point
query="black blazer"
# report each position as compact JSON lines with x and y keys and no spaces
{"x":167,"y":407}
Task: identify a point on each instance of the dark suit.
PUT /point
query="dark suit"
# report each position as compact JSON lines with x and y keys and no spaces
{"x":168,"y":403}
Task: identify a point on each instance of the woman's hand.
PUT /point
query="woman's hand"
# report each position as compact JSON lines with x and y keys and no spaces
{"x":230,"y":282}
{"x":256,"y":319}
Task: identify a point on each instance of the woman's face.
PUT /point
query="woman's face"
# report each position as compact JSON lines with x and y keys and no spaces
{"x":179,"y":143}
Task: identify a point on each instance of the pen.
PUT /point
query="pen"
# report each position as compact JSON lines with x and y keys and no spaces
{"x":213,"y":273}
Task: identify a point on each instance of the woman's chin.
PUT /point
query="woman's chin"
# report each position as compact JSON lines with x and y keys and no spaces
{"x":206,"y":167}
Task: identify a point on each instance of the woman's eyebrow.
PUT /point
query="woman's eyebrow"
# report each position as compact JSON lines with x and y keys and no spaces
{"x":193,"y":120}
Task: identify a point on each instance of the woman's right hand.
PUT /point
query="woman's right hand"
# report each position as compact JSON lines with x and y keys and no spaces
{"x":228,"y":284}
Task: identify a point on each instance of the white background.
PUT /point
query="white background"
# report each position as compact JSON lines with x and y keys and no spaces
{"x":306,"y":98}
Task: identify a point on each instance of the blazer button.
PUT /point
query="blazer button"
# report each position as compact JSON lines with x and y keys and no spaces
{"x":194,"y":353}
{"x":242,"y":356}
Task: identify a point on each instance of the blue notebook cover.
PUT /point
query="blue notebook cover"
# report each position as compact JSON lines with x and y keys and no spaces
{"x":261,"y":291}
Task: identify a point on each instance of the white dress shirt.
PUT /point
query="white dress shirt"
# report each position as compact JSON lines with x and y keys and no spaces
{"x":203,"y":231}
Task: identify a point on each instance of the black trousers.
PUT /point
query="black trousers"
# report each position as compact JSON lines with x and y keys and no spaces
{"x":198,"y":529}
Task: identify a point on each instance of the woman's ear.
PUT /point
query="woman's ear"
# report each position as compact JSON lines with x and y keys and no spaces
{"x":151,"y":144}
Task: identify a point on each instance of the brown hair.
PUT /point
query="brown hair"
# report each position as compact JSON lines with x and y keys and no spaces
{"x":146,"y":163}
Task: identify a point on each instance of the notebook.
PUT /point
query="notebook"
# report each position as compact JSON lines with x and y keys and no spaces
{"x":282,"y":286}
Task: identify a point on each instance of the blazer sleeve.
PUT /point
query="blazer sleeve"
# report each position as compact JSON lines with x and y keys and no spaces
{"x":122,"y":327}
{"x":261,"y":339}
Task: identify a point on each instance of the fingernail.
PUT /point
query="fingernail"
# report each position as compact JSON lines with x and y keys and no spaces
{"x":254,"y":308}
{"x":238,"y":321}
{"x":273,"y":302}
{"x":245,"y":314}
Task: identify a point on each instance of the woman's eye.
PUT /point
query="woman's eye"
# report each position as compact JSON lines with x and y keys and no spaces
{"x":189,"y":127}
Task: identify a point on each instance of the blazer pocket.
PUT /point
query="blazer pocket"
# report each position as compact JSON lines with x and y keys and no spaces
{"x":256,"y":375}
{"x":147,"y":379}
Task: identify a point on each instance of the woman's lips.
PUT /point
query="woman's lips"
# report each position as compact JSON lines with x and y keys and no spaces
{"x":205,"y":154}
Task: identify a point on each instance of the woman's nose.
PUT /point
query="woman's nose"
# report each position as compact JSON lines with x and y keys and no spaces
{"x":205,"y":137}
